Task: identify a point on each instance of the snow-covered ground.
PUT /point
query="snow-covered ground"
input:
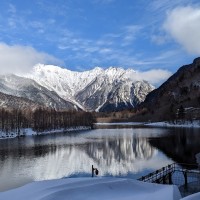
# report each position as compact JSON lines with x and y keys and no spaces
{"x":195,"y":196}
{"x":120,"y":123}
{"x":29,"y":132}
{"x":186,"y":124}
{"x":92,"y":189}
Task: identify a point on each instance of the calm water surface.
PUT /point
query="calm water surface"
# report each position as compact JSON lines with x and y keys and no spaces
{"x":125,"y":152}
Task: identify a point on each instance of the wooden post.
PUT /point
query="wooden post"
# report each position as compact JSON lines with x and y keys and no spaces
{"x":164,"y":181}
{"x":92,"y":171}
{"x":185,"y":177}
{"x":170,"y":178}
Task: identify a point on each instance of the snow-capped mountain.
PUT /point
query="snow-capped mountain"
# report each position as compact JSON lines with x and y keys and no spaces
{"x":97,"y":89}
{"x":31,"y":90}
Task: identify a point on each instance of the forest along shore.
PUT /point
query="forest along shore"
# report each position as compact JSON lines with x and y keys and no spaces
{"x":17,"y":123}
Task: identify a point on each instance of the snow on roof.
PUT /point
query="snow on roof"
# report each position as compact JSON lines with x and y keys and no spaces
{"x":92,"y":189}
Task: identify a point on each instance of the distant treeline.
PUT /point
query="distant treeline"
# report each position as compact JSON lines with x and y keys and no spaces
{"x":43,"y":119}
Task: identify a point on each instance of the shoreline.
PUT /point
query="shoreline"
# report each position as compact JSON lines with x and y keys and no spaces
{"x":29,"y":132}
{"x":178,"y":124}
{"x":164,"y":124}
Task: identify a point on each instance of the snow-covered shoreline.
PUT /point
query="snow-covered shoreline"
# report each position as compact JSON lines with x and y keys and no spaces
{"x":119,"y":123}
{"x":30,"y":132}
{"x":181,"y":124}
{"x":184,"y":124}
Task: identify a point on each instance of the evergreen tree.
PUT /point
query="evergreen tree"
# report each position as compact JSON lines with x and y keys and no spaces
{"x":181,"y":112}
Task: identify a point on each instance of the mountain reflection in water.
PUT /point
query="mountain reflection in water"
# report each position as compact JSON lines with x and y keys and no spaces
{"x":115,"y":152}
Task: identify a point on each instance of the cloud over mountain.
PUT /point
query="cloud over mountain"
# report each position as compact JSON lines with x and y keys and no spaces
{"x":154,"y":76}
{"x":183,"y":25}
{"x":20,"y":59}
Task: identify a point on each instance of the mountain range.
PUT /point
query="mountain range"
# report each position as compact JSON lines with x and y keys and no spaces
{"x":112,"y":89}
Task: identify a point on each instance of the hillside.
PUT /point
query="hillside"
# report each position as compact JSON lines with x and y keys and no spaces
{"x":13,"y":102}
{"x":181,"y":90}
{"x":29,"y":89}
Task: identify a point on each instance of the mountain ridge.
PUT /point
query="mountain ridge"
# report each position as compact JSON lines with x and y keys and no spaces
{"x":97,"y":83}
{"x":100,"y":90}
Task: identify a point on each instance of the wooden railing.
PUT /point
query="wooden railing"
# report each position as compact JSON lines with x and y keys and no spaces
{"x":164,"y":175}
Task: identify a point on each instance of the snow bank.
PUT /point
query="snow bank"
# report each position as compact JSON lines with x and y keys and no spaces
{"x":29,"y":132}
{"x":195,"y":196}
{"x":92,"y":189}
{"x":120,"y":123}
{"x":186,"y":124}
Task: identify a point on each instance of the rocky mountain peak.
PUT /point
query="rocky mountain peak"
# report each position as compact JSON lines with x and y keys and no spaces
{"x":93,"y":88}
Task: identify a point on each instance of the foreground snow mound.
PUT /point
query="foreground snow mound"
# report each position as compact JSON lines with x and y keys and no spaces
{"x":92,"y":189}
{"x":195,"y":196}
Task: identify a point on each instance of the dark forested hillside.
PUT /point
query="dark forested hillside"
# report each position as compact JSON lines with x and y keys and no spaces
{"x":180,"y":91}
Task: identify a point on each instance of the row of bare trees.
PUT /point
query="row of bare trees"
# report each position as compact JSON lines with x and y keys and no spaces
{"x":12,"y":121}
{"x":43,"y":119}
{"x":51,"y":119}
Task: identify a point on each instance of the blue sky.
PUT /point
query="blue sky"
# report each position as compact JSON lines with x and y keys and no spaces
{"x":82,"y":34}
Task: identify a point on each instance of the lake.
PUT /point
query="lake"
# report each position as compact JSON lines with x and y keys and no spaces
{"x":122,"y":151}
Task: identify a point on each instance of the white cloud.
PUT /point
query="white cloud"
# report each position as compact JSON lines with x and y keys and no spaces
{"x":183,"y":24}
{"x":12,"y":9}
{"x":105,"y":50}
{"x":154,"y":76}
{"x":20,"y":59}
{"x":130,"y":34}
{"x":159,"y":39}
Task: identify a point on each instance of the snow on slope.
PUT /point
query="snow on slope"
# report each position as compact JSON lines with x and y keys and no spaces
{"x":14,"y":102}
{"x":27,"y":88}
{"x":93,"y":89}
{"x":93,"y":189}
{"x":63,"y":81}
